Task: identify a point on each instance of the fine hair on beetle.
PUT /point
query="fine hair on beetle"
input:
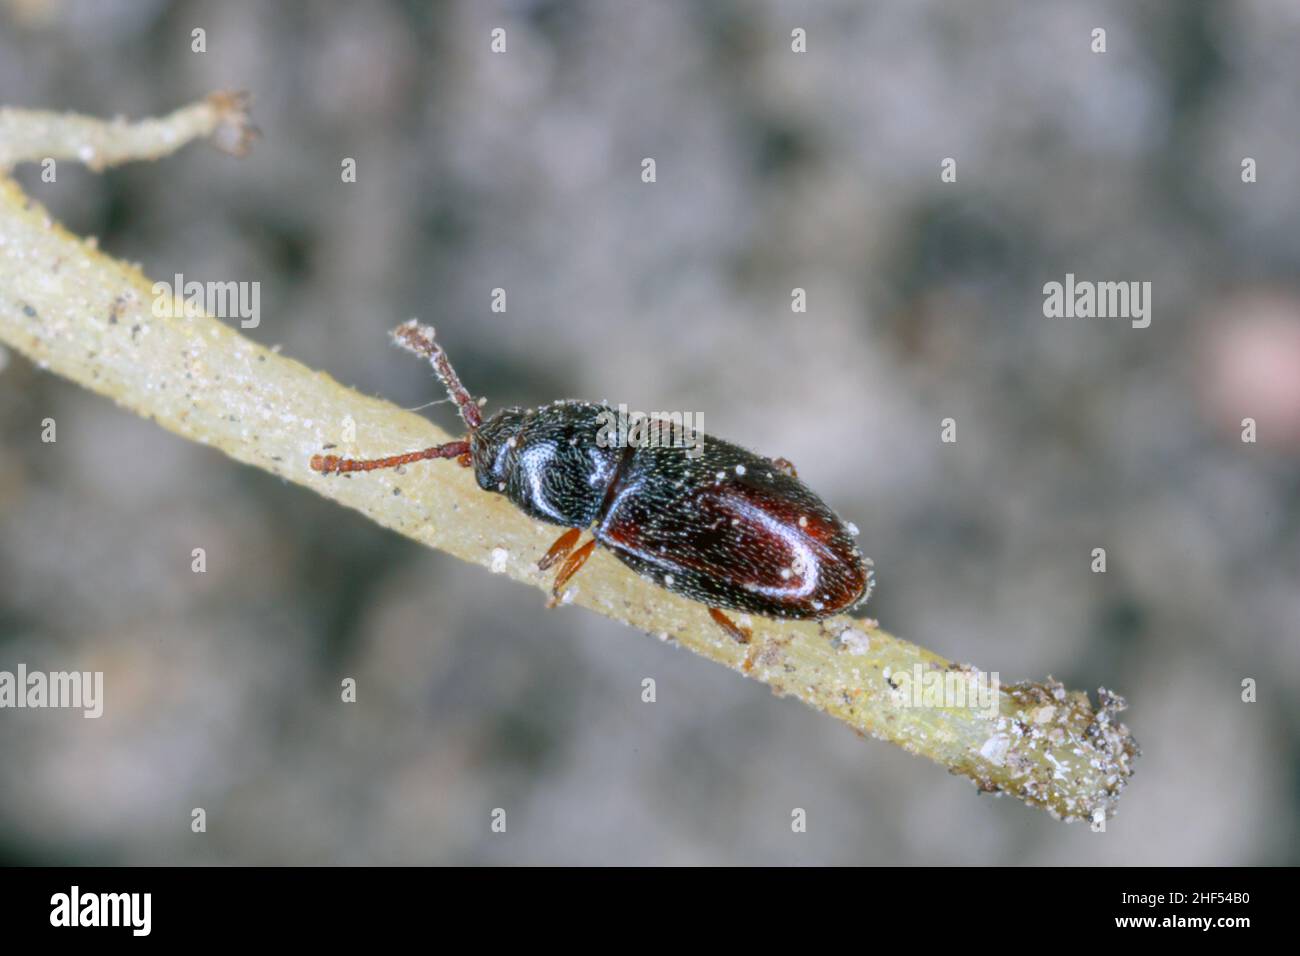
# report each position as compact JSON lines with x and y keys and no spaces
{"x":697,"y":515}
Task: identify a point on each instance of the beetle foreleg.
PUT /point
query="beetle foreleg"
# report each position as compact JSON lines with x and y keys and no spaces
{"x":562,"y":546}
{"x":742,"y":635}
{"x":570,"y":567}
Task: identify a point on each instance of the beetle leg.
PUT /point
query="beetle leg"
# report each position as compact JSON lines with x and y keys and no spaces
{"x":563,"y":545}
{"x":785,"y":465}
{"x":567,"y":570}
{"x":741,"y":634}
{"x":329,"y":464}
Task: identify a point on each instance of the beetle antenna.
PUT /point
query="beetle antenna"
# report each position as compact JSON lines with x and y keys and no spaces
{"x":419,"y":339}
{"x":333,"y":464}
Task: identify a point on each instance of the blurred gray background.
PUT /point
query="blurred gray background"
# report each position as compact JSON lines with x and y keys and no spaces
{"x":775,"y":170}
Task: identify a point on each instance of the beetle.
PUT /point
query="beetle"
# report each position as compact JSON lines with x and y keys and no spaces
{"x":728,"y":528}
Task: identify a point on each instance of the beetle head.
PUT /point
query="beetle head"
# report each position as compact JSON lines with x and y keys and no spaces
{"x":492,"y":443}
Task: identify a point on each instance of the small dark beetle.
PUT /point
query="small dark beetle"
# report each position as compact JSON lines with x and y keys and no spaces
{"x":726,"y":528}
